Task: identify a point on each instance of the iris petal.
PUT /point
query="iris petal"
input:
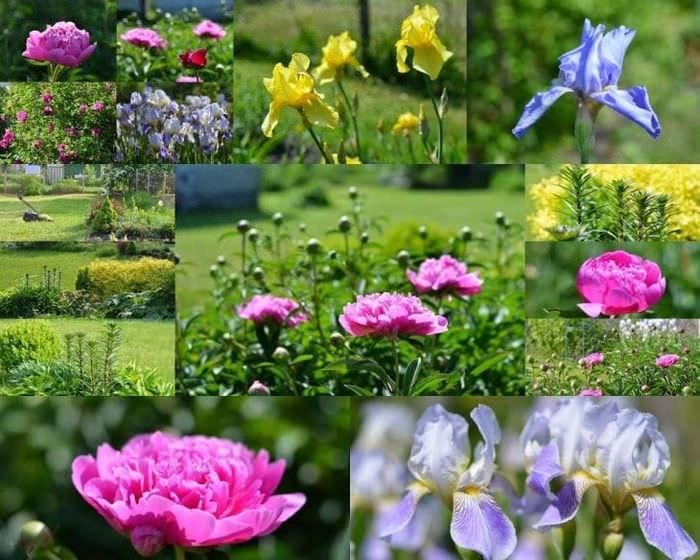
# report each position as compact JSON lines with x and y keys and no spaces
{"x":566,"y":504}
{"x":661,"y":528}
{"x":633,"y":104}
{"x":397,"y":518}
{"x":536,"y":107}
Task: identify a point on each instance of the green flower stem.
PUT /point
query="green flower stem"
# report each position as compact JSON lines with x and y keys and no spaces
{"x":353,"y":117}
{"x":397,"y":367}
{"x":310,"y":128}
{"x":179,"y":553}
{"x":316,"y":298}
{"x":243,"y":255}
{"x":429,"y":86}
{"x":584,"y":131}
{"x":411,"y":152}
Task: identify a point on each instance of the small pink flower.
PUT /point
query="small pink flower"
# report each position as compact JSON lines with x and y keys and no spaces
{"x":188,"y":80}
{"x":82,"y":108}
{"x":209,"y":30}
{"x":96,"y":131}
{"x":67,"y":157}
{"x":22,"y":116}
{"x":591,"y":393}
{"x":98,"y":106}
{"x":191,"y":492}
{"x":390,"y":315}
{"x":445,"y":275}
{"x":47,"y":97}
{"x":7,"y":139}
{"x":48,"y":110}
{"x":592,"y":359}
{"x":62,"y":43}
{"x":617,"y":283}
{"x":144,"y":37}
{"x":267,"y":308}
{"x":667,"y":360}
{"x":258,"y":388}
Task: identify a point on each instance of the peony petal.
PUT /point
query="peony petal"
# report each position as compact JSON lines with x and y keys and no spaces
{"x":591,"y":309}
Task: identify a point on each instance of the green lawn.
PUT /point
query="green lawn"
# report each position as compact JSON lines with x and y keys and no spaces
{"x":17,"y":263}
{"x":149,"y":344}
{"x":378,"y":102}
{"x":68,"y":212}
{"x":198,"y":234}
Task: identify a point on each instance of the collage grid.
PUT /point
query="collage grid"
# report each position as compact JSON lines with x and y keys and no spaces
{"x":349,"y":279}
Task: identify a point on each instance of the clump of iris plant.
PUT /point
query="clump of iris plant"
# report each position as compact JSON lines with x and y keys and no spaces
{"x":591,"y":72}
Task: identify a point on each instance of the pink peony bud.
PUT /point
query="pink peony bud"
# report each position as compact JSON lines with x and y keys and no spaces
{"x":267,"y":308}
{"x":62,"y":43}
{"x":209,"y":30}
{"x":667,"y":360}
{"x":445,"y":275}
{"x":258,"y":388}
{"x":22,"y":116}
{"x":617,"y":283}
{"x":592,"y":359}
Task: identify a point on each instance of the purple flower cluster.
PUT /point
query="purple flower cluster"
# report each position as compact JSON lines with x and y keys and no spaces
{"x":155,"y":127}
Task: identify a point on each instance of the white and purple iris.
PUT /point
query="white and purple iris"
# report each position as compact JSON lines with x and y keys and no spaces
{"x":442,"y":464}
{"x":591,"y":71}
{"x":583,"y":444}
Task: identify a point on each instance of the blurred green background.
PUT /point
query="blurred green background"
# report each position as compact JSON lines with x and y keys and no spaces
{"x":19,"y":17}
{"x":514,"y":47}
{"x":551,"y":268}
{"x":40,"y":437}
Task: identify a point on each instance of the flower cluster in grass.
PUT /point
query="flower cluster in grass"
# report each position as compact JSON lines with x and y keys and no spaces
{"x":567,"y":448}
{"x":289,"y":314}
{"x":57,"y":123}
{"x":616,"y":357}
{"x":680,"y":184}
{"x":153,"y":127}
{"x":296,"y":86}
{"x":154,"y":50}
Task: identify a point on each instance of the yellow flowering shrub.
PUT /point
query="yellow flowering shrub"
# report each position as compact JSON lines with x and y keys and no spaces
{"x":680,"y":182}
{"x":110,"y":277}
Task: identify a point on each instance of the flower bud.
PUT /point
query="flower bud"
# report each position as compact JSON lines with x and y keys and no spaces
{"x":404,"y":258}
{"x":337,"y":339}
{"x":687,"y":390}
{"x":344,"y":224}
{"x":221,"y":260}
{"x":281,"y":355}
{"x":253,"y":235}
{"x":501,"y":219}
{"x":213,"y":270}
{"x":258,"y":274}
{"x":228,"y":337}
{"x":466,"y":233}
{"x":352,"y":193}
{"x":644,"y":388}
{"x":364,"y":238}
{"x":612,"y":546}
{"x":423,"y":232}
{"x":333,"y":255}
{"x":536,"y":387}
{"x":258,"y":388}
{"x":243,"y":226}
{"x":35,"y":535}
{"x":277,"y":218}
{"x":313,"y":246}
{"x":302,"y":227}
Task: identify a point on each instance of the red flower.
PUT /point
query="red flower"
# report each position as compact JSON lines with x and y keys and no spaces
{"x":194,"y":59}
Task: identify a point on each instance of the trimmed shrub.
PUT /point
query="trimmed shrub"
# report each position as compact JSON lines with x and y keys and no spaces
{"x":30,"y":301}
{"x":28,"y":341}
{"x":104,"y":220}
{"x":107,"y":278}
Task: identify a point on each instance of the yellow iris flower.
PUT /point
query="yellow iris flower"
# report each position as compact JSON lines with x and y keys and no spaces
{"x":407,"y":123}
{"x":418,"y":32}
{"x":292,"y":86}
{"x":338,"y":52}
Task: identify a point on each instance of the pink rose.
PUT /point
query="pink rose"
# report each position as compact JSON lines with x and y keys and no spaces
{"x":390,"y":315}
{"x":190,"y":492}
{"x":591,"y":393}
{"x":61,"y":43}
{"x":667,"y":360}
{"x":258,"y":388}
{"x":267,"y":308}
{"x":445,"y":275}
{"x":617,"y":282}
{"x":592,"y":359}
{"x":144,"y":37}
{"x":209,"y":30}
{"x":22,"y":116}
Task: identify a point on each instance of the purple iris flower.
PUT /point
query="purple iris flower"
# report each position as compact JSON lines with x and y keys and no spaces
{"x":442,"y":464}
{"x":591,"y":71}
{"x":586,"y":444}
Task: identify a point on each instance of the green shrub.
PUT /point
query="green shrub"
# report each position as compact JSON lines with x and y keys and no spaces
{"x":30,"y":301}
{"x":39,"y":378}
{"x":404,"y":236}
{"x":104,"y":220}
{"x":67,"y":186}
{"x":28,"y":341}
{"x":107,"y":278}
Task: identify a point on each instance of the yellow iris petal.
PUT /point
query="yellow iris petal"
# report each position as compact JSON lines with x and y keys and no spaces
{"x":338,"y":52}
{"x":418,"y":32}
{"x":320,"y":113}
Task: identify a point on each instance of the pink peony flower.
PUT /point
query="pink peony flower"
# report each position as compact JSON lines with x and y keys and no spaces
{"x":144,"y":37}
{"x":268,"y":308}
{"x":390,"y":315}
{"x":445,"y":275}
{"x":7,"y":139}
{"x":591,"y":393}
{"x":188,"y":80}
{"x":98,"y":106}
{"x":617,"y":282}
{"x":592,"y":359}
{"x":22,"y":116}
{"x":61,"y":43}
{"x":82,"y":108}
{"x":667,"y":360}
{"x":258,"y":388}
{"x":209,"y":30}
{"x":191,"y":492}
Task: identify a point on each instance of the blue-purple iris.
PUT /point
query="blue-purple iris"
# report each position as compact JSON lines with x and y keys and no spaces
{"x":591,"y":71}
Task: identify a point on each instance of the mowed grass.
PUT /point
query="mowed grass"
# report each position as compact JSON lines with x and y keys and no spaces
{"x":198,"y":233}
{"x":68,"y":212}
{"x":380,"y":103}
{"x":14,"y":264}
{"x":148,"y":344}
